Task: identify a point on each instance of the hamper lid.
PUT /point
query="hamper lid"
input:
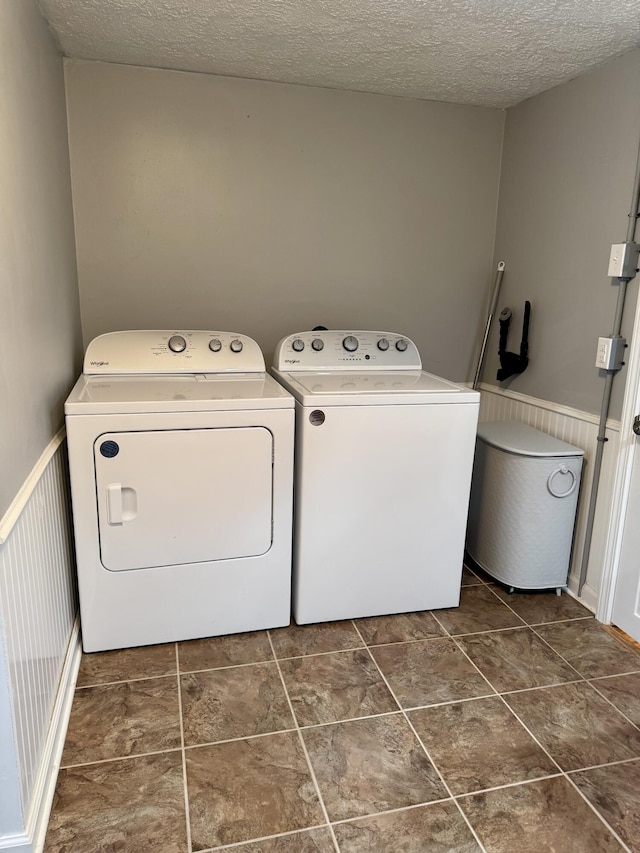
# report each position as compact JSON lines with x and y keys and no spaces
{"x":515,"y":437}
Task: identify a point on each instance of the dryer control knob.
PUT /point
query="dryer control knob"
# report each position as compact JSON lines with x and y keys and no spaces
{"x":317,"y":344}
{"x":177,"y":343}
{"x":401,"y":345}
{"x":215,"y":345}
{"x":235,"y":345}
{"x":297,"y":345}
{"x":383,"y":344}
{"x":350,"y":343}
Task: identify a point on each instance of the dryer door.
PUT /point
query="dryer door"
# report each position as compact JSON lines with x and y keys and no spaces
{"x":170,"y":497}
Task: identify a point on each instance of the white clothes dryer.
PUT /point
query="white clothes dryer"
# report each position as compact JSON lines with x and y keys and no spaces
{"x":384,"y":453}
{"x":181,"y":463}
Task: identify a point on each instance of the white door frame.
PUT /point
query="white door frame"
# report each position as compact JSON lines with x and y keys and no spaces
{"x":622,"y":475}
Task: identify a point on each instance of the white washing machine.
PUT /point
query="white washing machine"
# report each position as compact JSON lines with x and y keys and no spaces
{"x":181,"y":461}
{"x":384,"y":453}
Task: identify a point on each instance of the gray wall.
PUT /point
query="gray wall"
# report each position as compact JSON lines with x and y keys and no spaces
{"x":40,"y":342}
{"x":212,"y":202}
{"x":567,"y":174}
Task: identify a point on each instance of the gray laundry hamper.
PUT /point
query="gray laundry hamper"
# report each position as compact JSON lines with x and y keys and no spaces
{"x":524,"y":495}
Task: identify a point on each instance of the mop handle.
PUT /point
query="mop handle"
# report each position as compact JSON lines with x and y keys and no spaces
{"x":524,"y":346}
{"x":492,"y":308}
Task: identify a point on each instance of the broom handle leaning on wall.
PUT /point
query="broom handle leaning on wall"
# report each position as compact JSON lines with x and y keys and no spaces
{"x":492,"y":311}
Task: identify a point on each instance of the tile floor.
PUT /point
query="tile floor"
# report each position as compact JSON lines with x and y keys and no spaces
{"x":509,"y":724}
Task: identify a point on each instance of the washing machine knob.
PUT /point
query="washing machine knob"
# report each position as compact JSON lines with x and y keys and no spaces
{"x":350,"y":343}
{"x":235,"y":345}
{"x":401,"y":345}
{"x":297,"y":345}
{"x":383,"y":344}
{"x":177,"y":343}
{"x":317,"y":344}
{"x":215,"y":345}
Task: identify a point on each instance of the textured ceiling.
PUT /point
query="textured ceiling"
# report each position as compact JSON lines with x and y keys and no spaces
{"x":485,"y":52}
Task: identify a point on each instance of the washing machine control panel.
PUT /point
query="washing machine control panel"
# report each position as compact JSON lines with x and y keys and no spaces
{"x":345,"y":350}
{"x":172,"y":351}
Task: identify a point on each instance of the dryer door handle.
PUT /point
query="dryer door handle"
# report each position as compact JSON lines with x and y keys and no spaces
{"x":114,"y":503}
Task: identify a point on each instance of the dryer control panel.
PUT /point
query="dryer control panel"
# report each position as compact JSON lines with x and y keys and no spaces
{"x":346,"y":350}
{"x":172,"y":351}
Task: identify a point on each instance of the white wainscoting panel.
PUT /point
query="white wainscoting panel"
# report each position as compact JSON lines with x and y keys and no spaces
{"x":580,"y":429}
{"x":38,"y":604}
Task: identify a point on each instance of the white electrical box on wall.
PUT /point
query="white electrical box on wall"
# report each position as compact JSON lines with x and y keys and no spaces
{"x":610,"y":352}
{"x":623,"y":260}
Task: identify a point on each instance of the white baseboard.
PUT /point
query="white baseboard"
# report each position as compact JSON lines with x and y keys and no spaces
{"x":15,"y":844}
{"x":588,"y":597}
{"x":45,"y":783}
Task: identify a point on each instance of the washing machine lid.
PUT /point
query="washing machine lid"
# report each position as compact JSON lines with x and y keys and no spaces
{"x":374,"y":388}
{"x":523,"y":440}
{"x":176,"y":393}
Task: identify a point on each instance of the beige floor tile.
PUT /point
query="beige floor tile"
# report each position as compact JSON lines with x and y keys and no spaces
{"x":429,"y":671}
{"x":479,"y":610}
{"x":255,"y":792}
{"x":590,"y":649}
{"x":437,"y":828}
{"x":136,"y":804}
{"x":336,"y":686}
{"x":613,"y":791}
{"x":542,"y":606}
{"x":299,"y":640}
{"x":470,"y":578}
{"x":485,"y":577}
{"x":480,"y":744}
{"x":516,"y":660}
{"x":125,"y":664}
{"x":372,"y":765}
{"x":311,"y":841}
{"x":116,"y":720}
{"x":576,"y":725}
{"x":231,"y":650}
{"x":248,"y":789}
{"x":548,"y":816}
{"x":624,"y":692}
{"x":233,"y":702}
{"x":399,"y":628}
